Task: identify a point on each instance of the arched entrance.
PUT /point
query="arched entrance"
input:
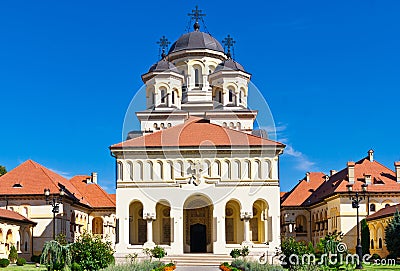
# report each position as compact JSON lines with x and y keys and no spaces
{"x":97,"y":226}
{"x":137,"y":225}
{"x":198,"y":226}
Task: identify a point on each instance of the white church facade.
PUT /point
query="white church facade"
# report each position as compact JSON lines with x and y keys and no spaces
{"x":198,"y":179}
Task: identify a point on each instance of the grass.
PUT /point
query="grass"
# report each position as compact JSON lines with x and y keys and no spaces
{"x":26,"y":267}
{"x":381,"y":267}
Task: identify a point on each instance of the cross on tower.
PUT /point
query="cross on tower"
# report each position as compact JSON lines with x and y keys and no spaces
{"x":196,"y":15}
{"x":163,"y":43}
{"x":228,"y":44}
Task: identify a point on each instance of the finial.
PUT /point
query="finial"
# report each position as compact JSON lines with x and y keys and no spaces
{"x":163,"y":43}
{"x":196,"y":15}
{"x":228,"y":44}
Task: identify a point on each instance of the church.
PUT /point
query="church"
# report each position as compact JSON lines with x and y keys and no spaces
{"x":198,"y":177}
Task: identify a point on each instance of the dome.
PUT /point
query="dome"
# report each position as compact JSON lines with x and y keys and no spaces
{"x":162,"y":66}
{"x":229,"y":65}
{"x":196,"y":40}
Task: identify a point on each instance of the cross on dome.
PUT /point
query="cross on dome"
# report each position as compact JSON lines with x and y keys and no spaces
{"x":228,"y":42}
{"x":196,"y":15}
{"x":163,"y":43}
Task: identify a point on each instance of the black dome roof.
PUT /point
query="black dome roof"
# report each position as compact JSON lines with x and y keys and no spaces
{"x":163,"y":65}
{"x":229,"y":65}
{"x":196,"y":40}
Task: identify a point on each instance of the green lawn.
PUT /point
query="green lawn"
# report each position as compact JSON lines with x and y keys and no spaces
{"x":26,"y":267}
{"x":381,"y":267}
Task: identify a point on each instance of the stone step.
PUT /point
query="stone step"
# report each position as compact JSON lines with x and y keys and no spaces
{"x":198,"y":259}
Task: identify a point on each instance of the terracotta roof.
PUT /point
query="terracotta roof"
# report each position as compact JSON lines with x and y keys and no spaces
{"x":383,"y":179}
{"x":31,"y":178}
{"x":302,"y":191}
{"x":92,"y":192}
{"x":11,"y":215}
{"x":196,"y":132}
{"x":113,"y":197}
{"x":388,"y":211}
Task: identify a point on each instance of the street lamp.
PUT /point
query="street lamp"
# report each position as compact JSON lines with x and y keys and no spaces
{"x":55,"y":202}
{"x":356,"y":198}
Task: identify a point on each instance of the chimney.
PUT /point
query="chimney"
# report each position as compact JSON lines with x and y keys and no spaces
{"x":333,"y":172}
{"x":397,"y":170}
{"x":94,"y":177}
{"x":308,"y":177}
{"x":371,"y":155}
{"x":350,"y":169}
{"x":368,"y":178}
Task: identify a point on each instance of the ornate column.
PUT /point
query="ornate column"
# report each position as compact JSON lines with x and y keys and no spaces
{"x":246,"y":216}
{"x":149,"y":217}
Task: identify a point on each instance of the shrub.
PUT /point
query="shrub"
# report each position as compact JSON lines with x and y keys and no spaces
{"x":158,"y":252}
{"x":91,"y":252}
{"x":21,"y":261}
{"x":4,"y":262}
{"x":35,"y":258}
{"x":13,"y":256}
{"x":76,"y":267}
{"x":392,"y":237}
{"x":140,"y":266}
{"x":235,"y":253}
{"x":244,"y":252}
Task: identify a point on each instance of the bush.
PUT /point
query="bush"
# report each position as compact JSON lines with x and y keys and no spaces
{"x":158,"y":252}
{"x":140,"y":266}
{"x":4,"y":262}
{"x":76,"y":267}
{"x":235,"y":253}
{"x":13,"y":256}
{"x":35,"y":258}
{"x":21,"y":261}
{"x":91,"y":252}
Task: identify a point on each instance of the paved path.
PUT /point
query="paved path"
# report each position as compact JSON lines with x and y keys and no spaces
{"x":196,"y":268}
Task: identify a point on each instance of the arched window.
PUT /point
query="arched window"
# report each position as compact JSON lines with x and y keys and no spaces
{"x":232,"y":96}
{"x":174,"y":97}
{"x":120,"y":171}
{"x":387,"y":205}
{"x":197,"y":76}
{"x":163,"y":93}
{"x":218,"y":96}
{"x":380,"y":243}
{"x":372,"y":243}
{"x":372,"y":207}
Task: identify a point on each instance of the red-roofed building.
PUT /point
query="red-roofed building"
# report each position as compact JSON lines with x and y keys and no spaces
{"x":322,"y":205}
{"x":197,"y":177}
{"x":84,"y":206}
{"x":377,"y":223}
{"x":15,"y":230}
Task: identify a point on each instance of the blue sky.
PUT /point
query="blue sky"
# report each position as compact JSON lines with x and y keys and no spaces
{"x":329,"y":71}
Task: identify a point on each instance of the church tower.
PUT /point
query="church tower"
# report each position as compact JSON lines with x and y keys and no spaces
{"x":197,"y":178}
{"x":196,"y":78}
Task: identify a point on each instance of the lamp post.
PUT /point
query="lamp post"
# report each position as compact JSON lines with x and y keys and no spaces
{"x":54,"y":201}
{"x":356,"y":198}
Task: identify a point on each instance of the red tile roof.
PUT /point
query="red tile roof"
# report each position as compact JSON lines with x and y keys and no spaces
{"x":14,"y":216}
{"x":302,"y":191}
{"x":388,"y":211}
{"x":383,"y":180}
{"x":93,"y":193}
{"x":31,"y":178}
{"x":196,"y":132}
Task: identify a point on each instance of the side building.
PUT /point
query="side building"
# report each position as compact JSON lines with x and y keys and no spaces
{"x":83,"y":206}
{"x":320,"y":203}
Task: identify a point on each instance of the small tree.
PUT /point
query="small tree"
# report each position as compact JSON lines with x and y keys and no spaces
{"x":56,"y":256}
{"x":3,"y":170}
{"x":13,"y":256}
{"x":91,"y":252}
{"x":392,"y":237}
{"x":365,"y":237}
{"x":158,"y":252}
